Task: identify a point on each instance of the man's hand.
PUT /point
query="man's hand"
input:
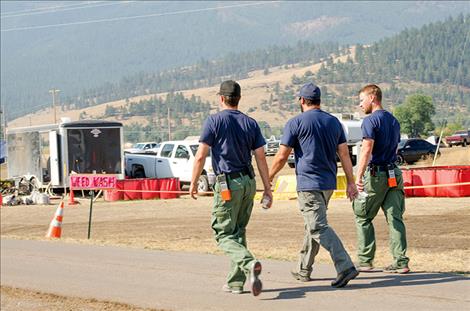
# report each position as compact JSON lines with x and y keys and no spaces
{"x":268,"y":194}
{"x":193,"y":191}
{"x":351,"y":191}
{"x":359,"y":184}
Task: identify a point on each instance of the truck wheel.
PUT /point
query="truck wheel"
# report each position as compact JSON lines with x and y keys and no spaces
{"x":464,"y":144}
{"x":400,"y":159}
{"x":203,"y":184}
{"x":139,"y":174}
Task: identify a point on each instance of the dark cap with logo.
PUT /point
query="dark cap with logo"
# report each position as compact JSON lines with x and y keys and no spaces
{"x":310,"y":91}
{"x":230,"y":88}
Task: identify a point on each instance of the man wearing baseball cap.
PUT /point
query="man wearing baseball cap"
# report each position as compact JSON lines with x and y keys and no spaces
{"x":232,"y":136}
{"x":316,"y":136}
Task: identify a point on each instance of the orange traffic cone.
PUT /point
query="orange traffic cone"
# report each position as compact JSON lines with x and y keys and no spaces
{"x":55,"y":228}
{"x":71,"y":198}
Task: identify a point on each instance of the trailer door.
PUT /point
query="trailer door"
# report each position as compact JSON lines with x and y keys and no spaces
{"x":54,"y":158}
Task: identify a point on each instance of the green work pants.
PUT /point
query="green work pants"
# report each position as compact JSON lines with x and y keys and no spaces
{"x":378,"y":195}
{"x":229,"y":221}
{"x":313,"y":206}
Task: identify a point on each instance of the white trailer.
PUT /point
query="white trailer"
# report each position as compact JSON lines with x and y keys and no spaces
{"x":47,"y":154}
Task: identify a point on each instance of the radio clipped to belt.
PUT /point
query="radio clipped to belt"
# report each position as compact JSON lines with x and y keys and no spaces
{"x":392,"y":180}
{"x":224,"y":189}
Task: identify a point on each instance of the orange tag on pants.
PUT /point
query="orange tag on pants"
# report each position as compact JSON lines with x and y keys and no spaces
{"x":224,"y":190}
{"x":392,"y":180}
{"x":226,"y":195}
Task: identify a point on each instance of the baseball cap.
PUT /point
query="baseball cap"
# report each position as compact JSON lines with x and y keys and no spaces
{"x":310,"y":91}
{"x":230,"y":88}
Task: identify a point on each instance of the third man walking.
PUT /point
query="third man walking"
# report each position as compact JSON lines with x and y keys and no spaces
{"x":380,"y":183}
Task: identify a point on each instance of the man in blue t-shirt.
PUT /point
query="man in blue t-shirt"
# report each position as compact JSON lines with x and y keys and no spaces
{"x":380,"y":182}
{"x":316,"y":137}
{"x":232,"y":137}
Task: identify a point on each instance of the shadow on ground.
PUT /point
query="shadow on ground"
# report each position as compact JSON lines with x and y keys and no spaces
{"x":411,"y":279}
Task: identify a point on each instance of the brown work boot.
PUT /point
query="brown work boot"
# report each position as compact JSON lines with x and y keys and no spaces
{"x":395,"y":269}
{"x":300,"y":277}
{"x":255,"y":283}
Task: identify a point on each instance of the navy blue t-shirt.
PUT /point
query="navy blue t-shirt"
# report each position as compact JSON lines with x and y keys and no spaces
{"x":384,"y":129}
{"x":315,"y":136}
{"x":232,"y":136}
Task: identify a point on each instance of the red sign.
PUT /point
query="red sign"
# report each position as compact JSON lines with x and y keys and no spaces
{"x":92,"y":181}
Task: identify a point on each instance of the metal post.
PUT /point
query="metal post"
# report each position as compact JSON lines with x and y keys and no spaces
{"x":444,"y":124}
{"x":54,"y":92}
{"x":92,"y":193}
{"x":169,"y":124}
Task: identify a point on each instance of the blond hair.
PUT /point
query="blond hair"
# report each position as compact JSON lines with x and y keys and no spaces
{"x":374,"y":90}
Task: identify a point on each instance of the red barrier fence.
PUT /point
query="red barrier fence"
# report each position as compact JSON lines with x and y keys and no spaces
{"x":437,"y":175}
{"x":418,"y":182}
{"x":145,"y":188}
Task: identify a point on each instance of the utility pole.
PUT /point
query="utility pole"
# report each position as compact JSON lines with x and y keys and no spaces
{"x":54,"y":92}
{"x":2,"y":123}
{"x":169,"y":124}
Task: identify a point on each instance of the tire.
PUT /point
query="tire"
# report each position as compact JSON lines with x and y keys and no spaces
{"x":464,"y":144}
{"x":291,"y":165}
{"x":139,"y":173}
{"x":400,"y":160}
{"x":450,"y":145}
{"x":203,"y":184}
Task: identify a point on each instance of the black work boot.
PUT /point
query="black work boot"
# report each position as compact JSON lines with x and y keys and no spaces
{"x":344,"y":277}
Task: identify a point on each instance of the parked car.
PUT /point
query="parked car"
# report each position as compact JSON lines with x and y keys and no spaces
{"x":291,"y":159}
{"x":173,"y":159}
{"x":415,"y":149}
{"x":458,"y":138}
{"x":272,"y":146}
{"x":144,"y":147}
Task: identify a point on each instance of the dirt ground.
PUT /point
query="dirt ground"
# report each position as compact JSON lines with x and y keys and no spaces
{"x":437,"y":231}
{"x":27,"y":300}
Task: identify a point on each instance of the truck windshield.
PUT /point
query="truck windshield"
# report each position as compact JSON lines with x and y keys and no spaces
{"x":139,"y":146}
{"x":194,"y":150}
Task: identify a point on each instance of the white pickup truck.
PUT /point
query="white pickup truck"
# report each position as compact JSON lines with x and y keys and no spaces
{"x":172,"y":159}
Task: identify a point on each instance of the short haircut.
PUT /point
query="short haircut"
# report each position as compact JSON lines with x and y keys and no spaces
{"x":231,"y":101}
{"x":312,"y":102}
{"x":372,"y":89}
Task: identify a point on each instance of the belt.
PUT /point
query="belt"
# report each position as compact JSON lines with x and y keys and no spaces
{"x":380,"y":168}
{"x":237,"y":174}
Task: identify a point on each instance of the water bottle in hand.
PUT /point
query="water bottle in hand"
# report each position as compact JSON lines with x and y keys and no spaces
{"x":265,"y":202}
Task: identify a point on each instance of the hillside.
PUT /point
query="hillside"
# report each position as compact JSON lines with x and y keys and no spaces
{"x":255,"y":88}
{"x":79,"y":46}
{"x":269,"y":92}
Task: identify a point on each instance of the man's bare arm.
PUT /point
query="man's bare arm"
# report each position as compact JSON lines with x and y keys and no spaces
{"x":343,"y":153}
{"x":263,"y":172}
{"x":199,"y":161}
{"x":280,"y":160}
{"x":366,"y":153}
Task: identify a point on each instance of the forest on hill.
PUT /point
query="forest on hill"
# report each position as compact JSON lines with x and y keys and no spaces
{"x":429,"y":61}
{"x":75,"y":46}
{"x":432,"y":60}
